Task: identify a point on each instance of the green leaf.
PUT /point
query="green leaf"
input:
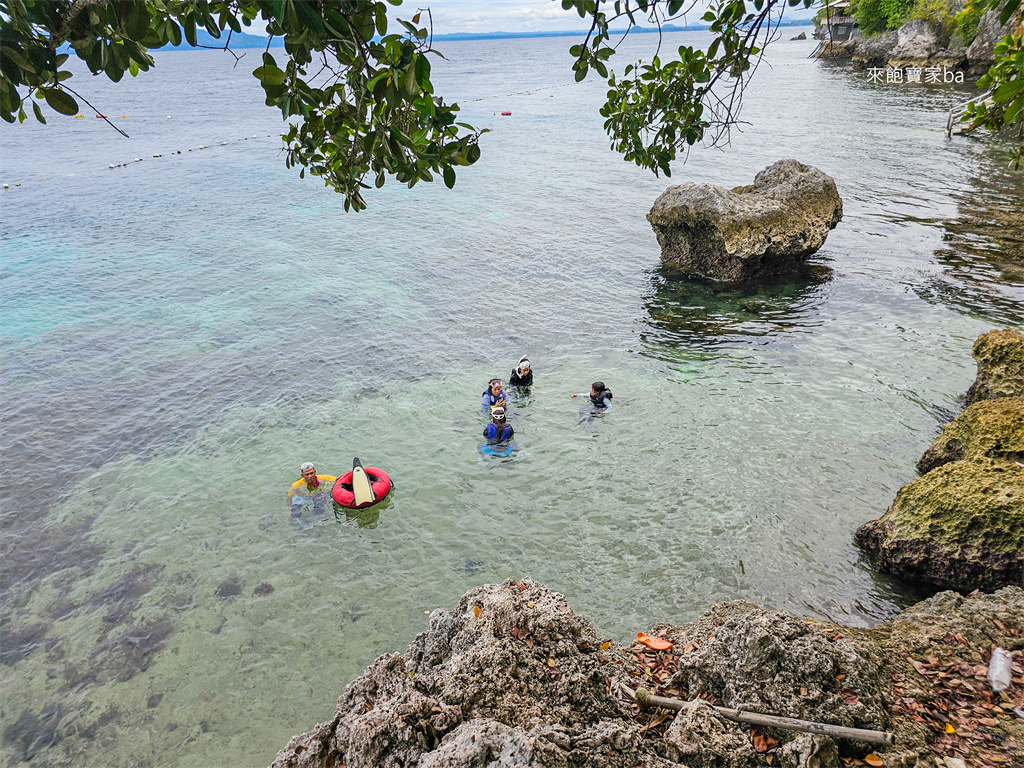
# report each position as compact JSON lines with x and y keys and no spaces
{"x":270,"y":75}
{"x":423,"y":74}
{"x":39,"y":113}
{"x":60,"y":100}
{"x":449,"y":176}
{"x":1006,"y":91}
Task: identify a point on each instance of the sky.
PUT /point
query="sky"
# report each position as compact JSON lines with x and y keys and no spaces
{"x":519,"y":15}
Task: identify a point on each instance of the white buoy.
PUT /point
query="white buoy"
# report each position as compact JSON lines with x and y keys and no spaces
{"x":110,"y":166}
{"x":157,"y":155}
{"x":168,"y":117}
{"x":254,"y":135}
{"x":138,"y":159}
{"x":7,"y":186}
{"x":223,"y":143}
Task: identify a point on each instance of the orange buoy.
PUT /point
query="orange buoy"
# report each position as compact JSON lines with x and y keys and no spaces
{"x":506,"y":113}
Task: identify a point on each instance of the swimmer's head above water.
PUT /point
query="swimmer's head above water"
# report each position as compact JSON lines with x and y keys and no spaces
{"x":308,"y":472}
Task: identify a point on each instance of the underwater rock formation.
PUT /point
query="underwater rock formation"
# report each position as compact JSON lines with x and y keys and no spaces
{"x":771,"y":225}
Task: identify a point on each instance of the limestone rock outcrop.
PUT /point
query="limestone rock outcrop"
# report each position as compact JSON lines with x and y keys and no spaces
{"x":917,"y":40}
{"x":512,"y":678}
{"x":991,"y":429}
{"x":1000,"y":356}
{"x":874,"y":51}
{"x":770,"y":225}
{"x":961,"y":526}
{"x":981,"y":51}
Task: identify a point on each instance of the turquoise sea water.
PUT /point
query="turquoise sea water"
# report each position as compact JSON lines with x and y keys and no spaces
{"x":178,"y":335}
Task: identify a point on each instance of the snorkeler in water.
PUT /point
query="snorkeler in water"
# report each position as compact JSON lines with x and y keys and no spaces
{"x":494,"y":395}
{"x":522,"y":376}
{"x":498,"y":430}
{"x":600,"y":395}
{"x":309,"y":486}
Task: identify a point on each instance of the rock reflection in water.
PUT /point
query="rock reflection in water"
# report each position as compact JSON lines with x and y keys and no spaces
{"x":695,"y":313}
{"x":982,"y":258}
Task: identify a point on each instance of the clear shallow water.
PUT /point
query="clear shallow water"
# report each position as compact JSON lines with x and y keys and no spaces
{"x":180,"y":334}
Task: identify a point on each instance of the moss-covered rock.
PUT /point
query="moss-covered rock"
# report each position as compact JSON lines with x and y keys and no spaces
{"x":960,"y":526}
{"x":992,"y":429}
{"x":1000,"y":356}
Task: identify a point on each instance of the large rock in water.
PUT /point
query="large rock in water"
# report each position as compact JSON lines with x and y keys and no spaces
{"x":513,"y":679}
{"x":1000,"y":356}
{"x":961,"y":526}
{"x":989,"y":429}
{"x":771,"y":225}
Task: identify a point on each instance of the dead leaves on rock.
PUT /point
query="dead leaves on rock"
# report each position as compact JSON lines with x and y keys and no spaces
{"x":951,"y":695}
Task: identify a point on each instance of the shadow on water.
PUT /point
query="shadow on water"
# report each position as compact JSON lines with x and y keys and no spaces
{"x":982,"y":256}
{"x":695,"y":315}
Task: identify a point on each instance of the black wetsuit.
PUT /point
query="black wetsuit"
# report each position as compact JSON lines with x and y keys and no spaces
{"x":515,"y":380}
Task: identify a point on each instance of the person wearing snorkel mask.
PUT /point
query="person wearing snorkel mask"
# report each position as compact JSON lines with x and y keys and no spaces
{"x":494,"y":395}
{"x":522,"y":376}
{"x":498,"y":430}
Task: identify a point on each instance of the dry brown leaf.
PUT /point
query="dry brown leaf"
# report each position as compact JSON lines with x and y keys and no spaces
{"x":477,"y":611}
{"x":529,"y":642}
{"x":530,"y":604}
{"x":605,"y":645}
{"x":551,"y":662}
{"x":874,"y":760}
{"x":950,"y":728}
{"x":803,"y":691}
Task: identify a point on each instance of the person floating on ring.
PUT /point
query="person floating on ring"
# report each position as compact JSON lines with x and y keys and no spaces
{"x":310,"y":490}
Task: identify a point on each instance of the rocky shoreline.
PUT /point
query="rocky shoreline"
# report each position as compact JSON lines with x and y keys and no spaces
{"x":961,"y":524}
{"x":921,"y":44}
{"x":513,"y":677}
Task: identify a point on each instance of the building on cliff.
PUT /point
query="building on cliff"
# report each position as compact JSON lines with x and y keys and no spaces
{"x":836,"y":24}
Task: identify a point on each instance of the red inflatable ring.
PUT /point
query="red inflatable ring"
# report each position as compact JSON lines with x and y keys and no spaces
{"x":380,"y":484}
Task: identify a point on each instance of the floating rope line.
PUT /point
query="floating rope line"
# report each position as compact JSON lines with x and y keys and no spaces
{"x":519,"y":93}
{"x":112,"y":166}
{"x":170,"y":153}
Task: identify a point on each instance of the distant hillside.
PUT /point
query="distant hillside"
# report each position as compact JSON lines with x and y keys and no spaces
{"x":243,"y":40}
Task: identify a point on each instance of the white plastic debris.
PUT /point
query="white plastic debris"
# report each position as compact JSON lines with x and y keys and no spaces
{"x":999,"y":669}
